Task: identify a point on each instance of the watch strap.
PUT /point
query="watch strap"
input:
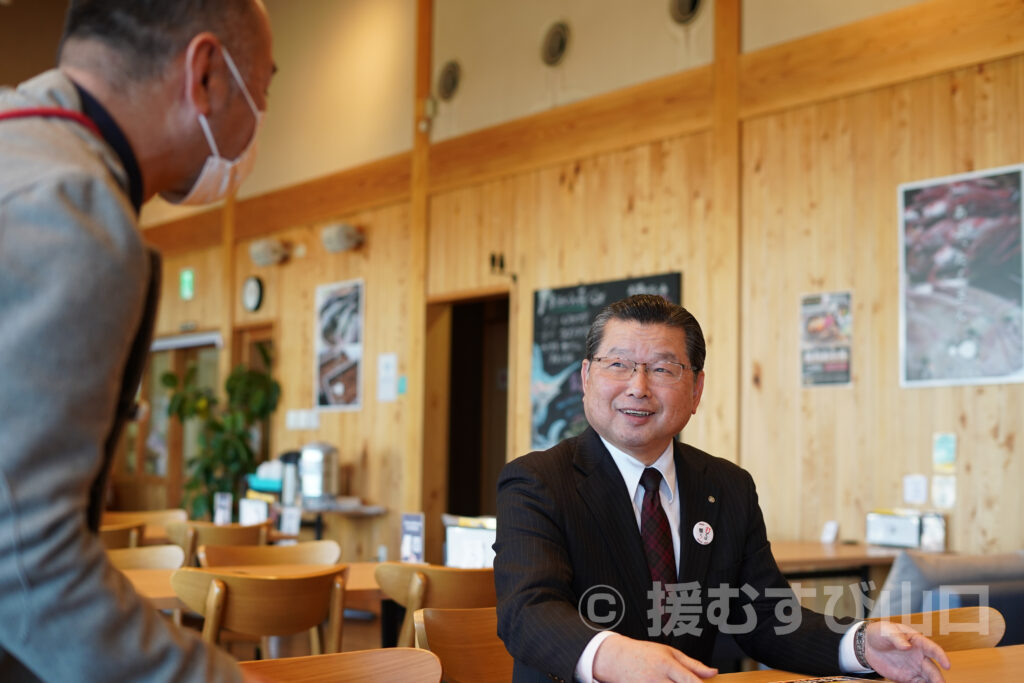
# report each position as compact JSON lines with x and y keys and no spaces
{"x":860,"y":645}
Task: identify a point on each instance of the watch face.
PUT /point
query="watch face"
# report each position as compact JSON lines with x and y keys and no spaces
{"x":252,"y":293}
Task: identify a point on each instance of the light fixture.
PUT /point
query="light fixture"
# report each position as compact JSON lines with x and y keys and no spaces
{"x":268,"y":251}
{"x":341,"y":237}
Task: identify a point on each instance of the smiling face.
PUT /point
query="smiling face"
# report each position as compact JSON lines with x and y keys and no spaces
{"x":639,"y":417}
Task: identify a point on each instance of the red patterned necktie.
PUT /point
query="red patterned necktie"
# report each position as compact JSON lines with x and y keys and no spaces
{"x":655,"y":531}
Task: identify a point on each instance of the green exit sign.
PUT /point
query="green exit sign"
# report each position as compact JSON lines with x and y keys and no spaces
{"x":187,"y":284}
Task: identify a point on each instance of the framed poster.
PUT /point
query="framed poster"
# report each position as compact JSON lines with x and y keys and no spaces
{"x":561,"y":320}
{"x":961,"y":287}
{"x":337,"y":377}
{"x":826,"y":332}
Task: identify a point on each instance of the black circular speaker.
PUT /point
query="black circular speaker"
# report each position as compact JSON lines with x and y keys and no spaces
{"x":448,"y":80}
{"x":556,"y":43}
{"x":683,"y":11}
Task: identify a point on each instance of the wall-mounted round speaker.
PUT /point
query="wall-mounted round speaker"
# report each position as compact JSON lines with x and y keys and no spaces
{"x":556,"y":43}
{"x":683,"y":11}
{"x":448,"y":80}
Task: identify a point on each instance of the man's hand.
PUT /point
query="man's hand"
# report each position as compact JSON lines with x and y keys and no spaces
{"x":901,"y":654}
{"x":620,"y":658}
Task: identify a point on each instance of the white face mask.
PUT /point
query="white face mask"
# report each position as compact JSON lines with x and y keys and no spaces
{"x":220,"y":177}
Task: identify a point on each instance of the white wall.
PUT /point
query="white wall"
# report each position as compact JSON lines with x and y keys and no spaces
{"x":770,"y":22}
{"x":342,"y":97}
{"x":613,"y":44}
{"x":344,"y":93}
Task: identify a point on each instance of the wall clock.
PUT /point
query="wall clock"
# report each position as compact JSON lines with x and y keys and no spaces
{"x":252,"y":293}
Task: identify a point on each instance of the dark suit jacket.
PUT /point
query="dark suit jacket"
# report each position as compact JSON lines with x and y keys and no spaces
{"x":566,"y":525}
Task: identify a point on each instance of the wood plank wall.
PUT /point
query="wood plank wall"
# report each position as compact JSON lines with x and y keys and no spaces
{"x":626,"y":187}
{"x":819,"y":207}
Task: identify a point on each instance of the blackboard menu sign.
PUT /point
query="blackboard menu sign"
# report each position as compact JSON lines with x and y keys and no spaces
{"x":561,"y":319}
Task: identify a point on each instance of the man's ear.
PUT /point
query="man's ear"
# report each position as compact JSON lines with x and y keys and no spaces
{"x":583,"y":374}
{"x":199,"y":70}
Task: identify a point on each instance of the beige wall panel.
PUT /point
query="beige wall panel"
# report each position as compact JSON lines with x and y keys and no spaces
{"x":820,"y":214}
{"x":636,"y":212}
{"x":369,"y":438}
{"x":613,"y":44}
{"x":205,"y":311}
{"x":769,"y":22}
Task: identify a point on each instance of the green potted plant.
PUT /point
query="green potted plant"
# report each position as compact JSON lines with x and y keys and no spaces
{"x":227,"y":434}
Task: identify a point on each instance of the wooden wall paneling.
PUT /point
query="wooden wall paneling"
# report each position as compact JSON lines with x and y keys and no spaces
{"x":820,"y":213}
{"x":666,"y":107}
{"x":192,"y":233}
{"x":918,"y":40}
{"x":635,"y":212}
{"x":375,"y":184}
{"x":466,"y":248}
{"x":372,"y":438}
{"x":204,"y":312}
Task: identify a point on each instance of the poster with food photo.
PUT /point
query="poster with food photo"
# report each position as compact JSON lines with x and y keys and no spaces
{"x":826,"y":332}
{"x":337,"y":380}
{"x":961,"y":285}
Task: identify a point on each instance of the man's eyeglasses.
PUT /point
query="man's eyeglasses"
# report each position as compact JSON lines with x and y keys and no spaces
{"x":621,"y":369}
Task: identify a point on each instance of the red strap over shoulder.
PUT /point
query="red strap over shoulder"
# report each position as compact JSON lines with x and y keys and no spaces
{"x":53,"y":112}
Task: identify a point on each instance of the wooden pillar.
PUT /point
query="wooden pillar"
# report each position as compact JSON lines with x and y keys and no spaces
{"x":227,"y":356}
{"x":414,"y":400}
{"x":723,"y":320}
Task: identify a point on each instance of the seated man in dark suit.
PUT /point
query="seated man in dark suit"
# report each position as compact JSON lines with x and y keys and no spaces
{"x":621,"y":552}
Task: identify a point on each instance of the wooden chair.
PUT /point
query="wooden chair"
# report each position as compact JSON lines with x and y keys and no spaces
{"x":362,"y":666}
{"x":265,"y":605}
{"x":123,"y":535}
{"x":191,"y":535}
{"x":960,"y":628}
{"x":467,"y":643}
{"x":147,"y":557}
{"x":155,"y":520}
{"x":309,"y":552}
{"x":415,"y":586}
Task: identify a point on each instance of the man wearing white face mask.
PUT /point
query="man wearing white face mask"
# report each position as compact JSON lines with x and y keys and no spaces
{"x":150,"y":96}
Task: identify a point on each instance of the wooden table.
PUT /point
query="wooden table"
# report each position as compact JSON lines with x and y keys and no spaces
{"x":361,"y":589}
{"x":969,"y":666}
{"x":366,"y":666}
{"x":808,"y":559}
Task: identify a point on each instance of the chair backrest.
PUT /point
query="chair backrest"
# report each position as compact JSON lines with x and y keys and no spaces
{"x":122,"y":535}
{"x":153,"y":517}
{"x":265,"y":605}
{"x":147,"y":557}
{"x":388,"y":664}
{"x":961,"y":628}
{"x":191,"y":535}
{"x":415,"y":586}
{"x":467,"y":643}
{"x":309,"y":552}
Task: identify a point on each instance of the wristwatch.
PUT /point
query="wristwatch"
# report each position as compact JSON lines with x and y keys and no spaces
{"x":860,"y":644}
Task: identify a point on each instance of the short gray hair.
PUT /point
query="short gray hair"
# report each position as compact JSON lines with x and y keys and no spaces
{"x":147,"y":34}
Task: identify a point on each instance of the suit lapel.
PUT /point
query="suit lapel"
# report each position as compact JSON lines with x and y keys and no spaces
{"x":601,"y":487}
{"x":700,"y":503}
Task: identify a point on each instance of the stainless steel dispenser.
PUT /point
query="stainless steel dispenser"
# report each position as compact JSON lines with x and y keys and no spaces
{"x":318,"y":470}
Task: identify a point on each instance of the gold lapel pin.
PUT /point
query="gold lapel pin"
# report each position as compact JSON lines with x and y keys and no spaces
{"x":711,"y":499}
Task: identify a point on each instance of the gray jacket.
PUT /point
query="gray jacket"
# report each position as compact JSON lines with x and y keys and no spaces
{"x":75,"y":291}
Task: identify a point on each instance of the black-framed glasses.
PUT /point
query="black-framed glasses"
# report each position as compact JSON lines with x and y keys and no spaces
{"x":621,"y":369}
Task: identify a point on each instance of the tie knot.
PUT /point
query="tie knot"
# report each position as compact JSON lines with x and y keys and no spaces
{"x":651,"y":480}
